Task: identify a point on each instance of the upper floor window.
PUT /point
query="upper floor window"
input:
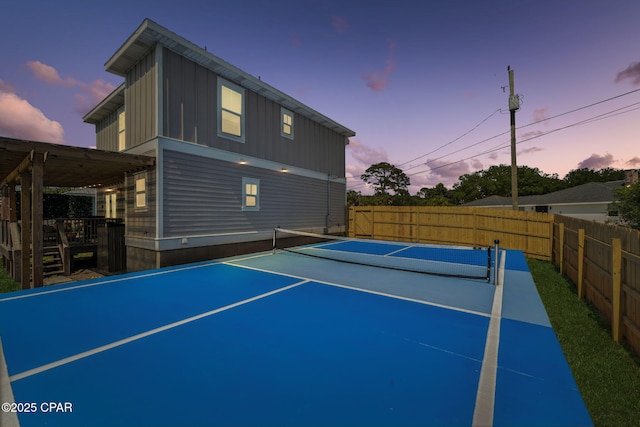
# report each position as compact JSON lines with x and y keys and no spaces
{"x":122,"y":142}
{"x":230,"y":111}
{"x":286,"y":129}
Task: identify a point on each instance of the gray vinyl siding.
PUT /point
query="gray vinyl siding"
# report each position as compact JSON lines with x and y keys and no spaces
{"x":141,"y":222}
{"x":107,"y":133}
{"x":140,"y":102}
{"x":204,"y":196}
{"x":190,"y":114}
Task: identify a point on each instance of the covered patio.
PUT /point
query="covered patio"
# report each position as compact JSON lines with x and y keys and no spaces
{"x":35,"y":165}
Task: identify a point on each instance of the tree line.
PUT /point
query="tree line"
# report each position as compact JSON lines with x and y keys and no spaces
{"x":391,"y":187}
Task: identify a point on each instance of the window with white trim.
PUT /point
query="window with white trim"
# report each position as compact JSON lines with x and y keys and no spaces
{"x":230,"y":111}
{"x":110,"y":204}
{"x":141,"y":191}
{"x":122,"y":142}
{"x":286,"y":123}
{"x":250,"y":194}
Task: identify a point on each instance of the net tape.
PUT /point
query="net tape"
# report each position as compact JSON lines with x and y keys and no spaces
{"x":450,"y":262}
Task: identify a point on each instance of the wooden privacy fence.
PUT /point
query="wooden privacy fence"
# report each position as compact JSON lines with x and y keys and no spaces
{"x":527,"y":231}
{"x":602,"y":260}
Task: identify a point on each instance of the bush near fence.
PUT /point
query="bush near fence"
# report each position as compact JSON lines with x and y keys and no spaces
{"x":602,"y":261}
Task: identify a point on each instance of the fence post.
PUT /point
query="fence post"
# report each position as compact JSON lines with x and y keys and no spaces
{"x":616,"y":266}
{"x":580,"y":262}
{"x":561,"y":244}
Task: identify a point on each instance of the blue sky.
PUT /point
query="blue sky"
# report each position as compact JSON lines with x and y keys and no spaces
{"x":421,"y":83}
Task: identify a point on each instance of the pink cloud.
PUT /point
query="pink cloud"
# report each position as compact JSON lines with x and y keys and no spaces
{"x":48,"y":74}
{"x":442,"y":172}
{"x":295,"y":40}
{"x":476,"y":164}
{"x":634,"y":162}
{"x":540,"y":114}
{"x":529,"y":150}
{"x":596,"y":162}
{"x":531,"y":135}
{"x":19,"y":119}
{"x":378,"y":80}
{"x":91,"y":95}
{"x":6,"y":87}
{"x":366,"y":155}
{"x":340,"y":24}
{"x":448,"y":172}
{"x":632,"y":72}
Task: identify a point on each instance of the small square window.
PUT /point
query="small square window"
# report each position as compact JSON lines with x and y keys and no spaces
{"x":250,"y":194}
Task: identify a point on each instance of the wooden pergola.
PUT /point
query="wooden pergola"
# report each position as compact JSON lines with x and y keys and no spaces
{"x":35,"y":165}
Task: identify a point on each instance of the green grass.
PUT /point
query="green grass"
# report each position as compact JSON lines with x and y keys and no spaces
{"x":6,"y":283}
{"x":607,"y":374}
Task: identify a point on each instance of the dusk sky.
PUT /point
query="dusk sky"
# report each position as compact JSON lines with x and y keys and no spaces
{"x":424,"y":84}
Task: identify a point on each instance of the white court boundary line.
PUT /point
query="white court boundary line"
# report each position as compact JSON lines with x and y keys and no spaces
{"x":8,"y":419}
{"x":485,"y":396}
{"x":122,"y":279}
{"x":353,"y":288}
{"x":154,"y":331}
{"x":106,"y":282}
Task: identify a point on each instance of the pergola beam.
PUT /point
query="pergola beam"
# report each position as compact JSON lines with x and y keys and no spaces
{"x":15,"y":174}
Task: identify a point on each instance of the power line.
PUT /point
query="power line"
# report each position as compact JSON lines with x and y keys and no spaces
{"x":504,"y":133}
{"x":502,"y":146}
{"x":582,"y":122}
{"x":452,"y":141}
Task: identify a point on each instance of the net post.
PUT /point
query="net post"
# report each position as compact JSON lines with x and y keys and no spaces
{"x":273,"y":242}
{"x":496,"y":263}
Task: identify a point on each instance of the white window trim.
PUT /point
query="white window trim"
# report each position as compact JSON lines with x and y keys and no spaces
{"x":284,"y":111}
{"x":241,"y":138}
{"x":111,"y":204}
{"x":250,"y":181}
{"x":142,"y":176}
{"x":122,"y":127}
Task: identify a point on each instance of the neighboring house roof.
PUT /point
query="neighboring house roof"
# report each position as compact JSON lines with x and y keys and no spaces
{"x":149,"y":33}
{"x":592,"y":192}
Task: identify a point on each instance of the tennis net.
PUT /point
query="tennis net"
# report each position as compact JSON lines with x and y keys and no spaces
{"x":463,"y":262}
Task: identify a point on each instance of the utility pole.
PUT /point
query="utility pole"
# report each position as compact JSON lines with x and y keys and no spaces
{"x":514,"y":105}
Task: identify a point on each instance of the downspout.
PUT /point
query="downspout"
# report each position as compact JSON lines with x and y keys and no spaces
{"x":328,"y":216}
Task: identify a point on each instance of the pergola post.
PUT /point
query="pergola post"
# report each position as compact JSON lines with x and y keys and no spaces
{"x":37,"y":188}
{"x":25,"y":230}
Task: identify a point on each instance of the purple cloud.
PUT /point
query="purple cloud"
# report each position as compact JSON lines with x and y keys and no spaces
{"x":596,"y":162}
{"x":632,"y":72}
{"x":378,"y":80}
{"x":366,"y":155}
{"x":340,"y":24}
{"x":634,"y":162}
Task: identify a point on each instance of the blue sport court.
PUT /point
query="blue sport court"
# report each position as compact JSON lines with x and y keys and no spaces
{"x":284,"y":339}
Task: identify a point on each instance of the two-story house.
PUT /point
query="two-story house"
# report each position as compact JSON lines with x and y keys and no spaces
{"x":235,"y":157}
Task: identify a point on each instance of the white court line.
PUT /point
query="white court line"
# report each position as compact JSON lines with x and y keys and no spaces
{"x":105,"y":282}
{"x":400,"y":250}
{"x":353,"y":288}
{"x":122,"y":279}
{"x":485,"y":397}
{"x":8,"y":419}
{"x":136,"y":337}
